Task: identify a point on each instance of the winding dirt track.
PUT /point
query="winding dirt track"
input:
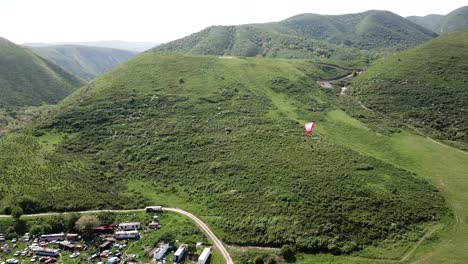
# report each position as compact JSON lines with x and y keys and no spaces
{"x":207,"y":231}
{"x":217,"y":243}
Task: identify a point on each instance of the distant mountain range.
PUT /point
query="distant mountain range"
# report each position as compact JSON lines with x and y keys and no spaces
{"x":306,"y":35}
{"x":456,"y":20}
{"x":113,"y":44}
{"x":84,"y":61}
{"x":27,"y":79}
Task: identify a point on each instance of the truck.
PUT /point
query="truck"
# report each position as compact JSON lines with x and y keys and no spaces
{"x":205,"y":256}
{"x":179,"y":255}
{"x":154,"y":209}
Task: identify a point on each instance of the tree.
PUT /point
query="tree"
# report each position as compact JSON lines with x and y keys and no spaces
{"x":288,"y":253}
{"x":259,"y":260}
{"x":57,"y":223}
{"x":28,"y":203}
{"x":106,"y":218}
{"x":10,"y":232}
{"x":71,"y":222}
{"x":192,"y":250}
{"x":168,"y":237}
{"x":36,"y":229}
{"x":21,"y":226}
{"x":16,"y":212}
{"x":86,"y":224}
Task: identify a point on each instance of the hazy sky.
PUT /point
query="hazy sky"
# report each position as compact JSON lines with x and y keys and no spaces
{"x":162,"y":21}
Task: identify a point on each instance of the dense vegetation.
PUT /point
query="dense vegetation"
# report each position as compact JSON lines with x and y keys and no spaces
{"x":14,"y":118}
{"x":27,"y":79}
{"x":82,"y":61}
{"x":226,"y":136}
{"x":426,"y":86}
{"x":456,"y":20}
{"x":306,"y":36}
{"x":259,"y":40}
{"x":368,"y":30}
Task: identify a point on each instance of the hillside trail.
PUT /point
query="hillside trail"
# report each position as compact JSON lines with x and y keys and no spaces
{"x":217,"y":243}
{"x":437,"y":142}
{"x":329,"y":82}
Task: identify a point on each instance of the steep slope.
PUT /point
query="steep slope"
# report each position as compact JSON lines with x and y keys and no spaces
{"x":456,"y":20}
{"x":28,"y":79}
{"x":426,"y":86}
{"x":111,"y":44}
{"x":305,"y":36}
{"x":224,"y":138}
{"x":82,"y":61}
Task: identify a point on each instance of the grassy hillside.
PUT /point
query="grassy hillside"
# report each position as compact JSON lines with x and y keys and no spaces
{"x":82,"y":61}
{"x":27,"y":79}
{"x":307,"y":36}
{"x":260,"y":40}
{"x":222,"y":138}
{"x":457,"y":20}
{"x":368,"y":30}
{"x":426,"y":86}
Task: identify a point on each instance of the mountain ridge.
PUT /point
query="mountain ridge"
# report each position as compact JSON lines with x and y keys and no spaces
{"x":85,"y":62}
{"x":27,"y":79}
{"x":112,"y":44}
{"x":457,"y":20}
{"x":306,"y":36}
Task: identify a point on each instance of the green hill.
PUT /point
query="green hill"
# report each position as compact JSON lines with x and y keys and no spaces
{"x":456,"y":20}
{"x":223,"y":138}
{"x":28,"y":79}
{"x":306,"y":36}
{"x":259,"y":40}
{"x":83,"y":61}
{"x":426,"y":86}
{"x":368,"y":30}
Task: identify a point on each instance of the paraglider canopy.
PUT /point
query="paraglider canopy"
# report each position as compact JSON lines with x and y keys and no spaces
{"x":309,"y":127}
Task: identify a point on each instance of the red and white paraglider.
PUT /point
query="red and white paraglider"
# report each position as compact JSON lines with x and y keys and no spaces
{"x":309,"y":127}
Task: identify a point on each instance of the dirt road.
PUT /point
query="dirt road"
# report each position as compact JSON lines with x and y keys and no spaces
{"x":207,"y":231}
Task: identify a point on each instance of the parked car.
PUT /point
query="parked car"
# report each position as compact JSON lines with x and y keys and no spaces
{"x":12,"y":261}
{"x":13,"y":240}
{"x":50,"y":260}
{"x":34,"y":259}
{"x":75,"y":254}
{"x":17,"y":253}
